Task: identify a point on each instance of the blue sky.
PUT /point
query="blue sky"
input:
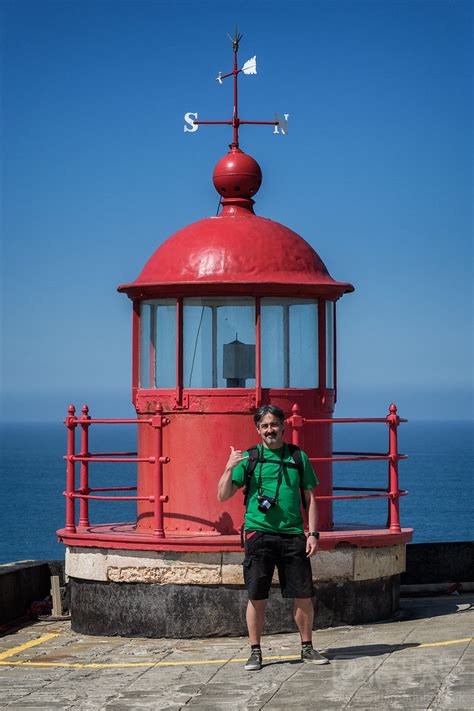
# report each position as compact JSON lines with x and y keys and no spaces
{"x":375,"y":172}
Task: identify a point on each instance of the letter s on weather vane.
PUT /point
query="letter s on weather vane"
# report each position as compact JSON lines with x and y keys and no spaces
{"x":190,"y":118}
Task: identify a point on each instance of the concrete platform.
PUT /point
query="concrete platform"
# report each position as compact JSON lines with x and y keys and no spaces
{"x":421,"y":659}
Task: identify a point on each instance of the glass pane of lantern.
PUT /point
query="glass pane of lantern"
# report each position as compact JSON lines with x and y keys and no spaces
{"x":329,"y":344}
{"x":217,"y":330}
{"x":144,"y":371}
{"x":271,"y":336}
{"x":304,"y":344}
{"x":165,"y":353}
{"x":236,"y":343}
{"x":158,"y":344}
{"x":289,"y":330}
{"x":197,"y":344}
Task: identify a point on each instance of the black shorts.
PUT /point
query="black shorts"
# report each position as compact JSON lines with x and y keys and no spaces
{"x":264,"y":551}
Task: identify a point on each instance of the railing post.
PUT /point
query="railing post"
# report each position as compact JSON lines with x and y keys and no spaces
{"x":394,"y":498}
{"x":158,"y":422}
{"x":179,"y":352}
{"x":297,"y":425}
{"x":84,"y":470}
{"x":71,"y":424}
{"x":258,"y":352}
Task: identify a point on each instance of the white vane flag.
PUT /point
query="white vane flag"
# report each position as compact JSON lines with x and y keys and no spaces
{"x":250,"y":66}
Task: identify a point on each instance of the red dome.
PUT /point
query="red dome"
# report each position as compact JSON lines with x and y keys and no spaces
{"x":236,"y":252}
{"x":225,"y":254}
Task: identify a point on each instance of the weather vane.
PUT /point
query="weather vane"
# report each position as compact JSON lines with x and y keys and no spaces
{"x":249,"y":67}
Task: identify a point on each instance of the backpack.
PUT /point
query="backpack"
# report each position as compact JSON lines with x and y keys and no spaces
{"x":255,"y":457}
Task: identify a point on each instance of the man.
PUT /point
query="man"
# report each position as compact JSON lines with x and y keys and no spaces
{"x":274,"y":533}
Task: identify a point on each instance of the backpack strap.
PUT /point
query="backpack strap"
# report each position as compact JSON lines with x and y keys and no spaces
{"x":252,"y":461}
{"x":295,"y":452}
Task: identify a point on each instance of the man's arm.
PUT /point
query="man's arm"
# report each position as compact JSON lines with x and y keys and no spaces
{"x":312,"y":509}
{"x":226,"y":487}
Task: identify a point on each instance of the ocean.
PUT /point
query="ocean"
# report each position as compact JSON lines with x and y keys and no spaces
{"x":438,"y":476}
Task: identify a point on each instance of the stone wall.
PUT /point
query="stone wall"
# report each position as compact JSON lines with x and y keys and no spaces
{"x":439,"y":563}
{"x":24,"y":582}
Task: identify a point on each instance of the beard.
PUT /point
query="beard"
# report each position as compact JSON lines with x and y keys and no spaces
{"x":272,"y":438}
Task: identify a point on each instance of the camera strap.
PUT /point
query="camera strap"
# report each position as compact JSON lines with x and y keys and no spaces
{"x":281,"y":469}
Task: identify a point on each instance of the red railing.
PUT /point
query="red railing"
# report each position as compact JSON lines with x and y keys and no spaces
{"x":392,"y":491}
{"x":84,"y":493}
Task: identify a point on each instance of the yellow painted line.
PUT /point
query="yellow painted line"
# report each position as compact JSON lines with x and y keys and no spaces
{"x":442,"y":644}
{"x":98,"y":665}
{"x":32,"y":643}
{"x":401,"y":648}
{"x":201,"y":662}
{"x":76,"y":665}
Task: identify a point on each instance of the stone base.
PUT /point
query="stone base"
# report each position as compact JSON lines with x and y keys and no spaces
{"x":343,"y":563}
{"x":192,"y":594}
{"x":185,"y":611}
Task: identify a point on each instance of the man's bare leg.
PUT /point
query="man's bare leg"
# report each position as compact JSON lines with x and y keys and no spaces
{"x":304,"y":615}
{"x":255,"y":618}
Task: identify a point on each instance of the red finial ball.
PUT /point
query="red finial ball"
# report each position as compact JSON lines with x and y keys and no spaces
{"x":237,"y":175}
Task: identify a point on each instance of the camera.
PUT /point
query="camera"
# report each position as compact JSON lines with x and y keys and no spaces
{"x":265,"y":503}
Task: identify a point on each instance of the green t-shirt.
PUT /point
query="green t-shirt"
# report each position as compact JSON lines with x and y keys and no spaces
{"x":285,"y":515}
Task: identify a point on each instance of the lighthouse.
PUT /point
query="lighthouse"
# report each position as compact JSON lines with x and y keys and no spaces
{"x":229,"y":313}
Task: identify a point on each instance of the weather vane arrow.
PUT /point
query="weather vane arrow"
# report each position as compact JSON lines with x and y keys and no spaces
{"x":249,"y":67}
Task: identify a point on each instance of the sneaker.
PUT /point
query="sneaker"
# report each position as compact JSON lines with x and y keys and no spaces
{"x":309,"y":654}
{"x":254,"y":662}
